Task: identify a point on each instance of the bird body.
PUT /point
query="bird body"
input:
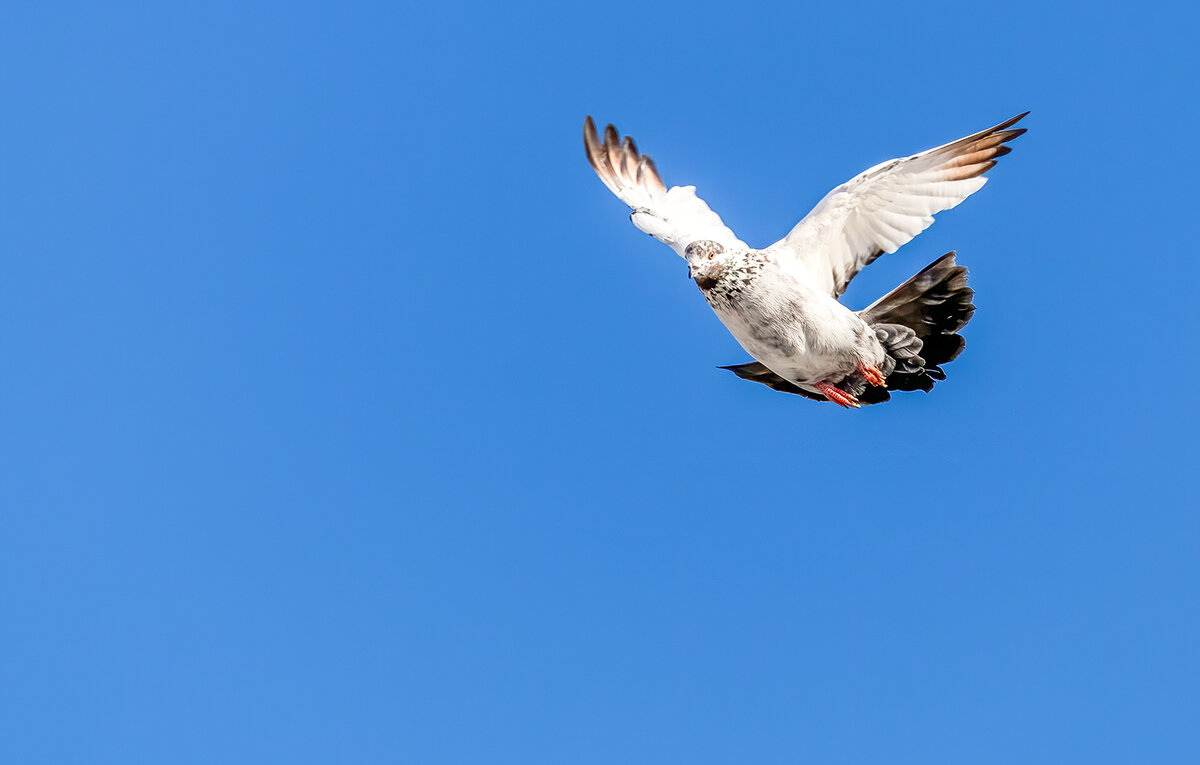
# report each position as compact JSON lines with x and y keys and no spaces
{"x":799,"y":332}
{"x":780,"y":303}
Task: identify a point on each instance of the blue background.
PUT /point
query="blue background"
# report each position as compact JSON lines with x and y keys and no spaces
{"x":347,"y":419}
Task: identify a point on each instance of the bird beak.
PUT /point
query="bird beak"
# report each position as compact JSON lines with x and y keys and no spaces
{"x":691,"y":272}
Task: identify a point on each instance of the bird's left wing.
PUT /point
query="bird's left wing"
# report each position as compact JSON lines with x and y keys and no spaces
{"x":884,"y":207}
{"x":675,"y":216}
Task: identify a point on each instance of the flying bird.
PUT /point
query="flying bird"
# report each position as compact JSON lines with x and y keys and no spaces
{"x":781,"y":302}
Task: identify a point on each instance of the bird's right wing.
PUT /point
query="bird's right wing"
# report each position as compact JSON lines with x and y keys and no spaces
{"x":884,"y":207}
{"x":675,"y":216}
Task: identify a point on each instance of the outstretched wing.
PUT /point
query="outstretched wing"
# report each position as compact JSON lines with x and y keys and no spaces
{"x":886,"y":206}
{"x":675,"y":216}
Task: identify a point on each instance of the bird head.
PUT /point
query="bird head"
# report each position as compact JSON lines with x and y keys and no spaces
{"x":705,"y":262}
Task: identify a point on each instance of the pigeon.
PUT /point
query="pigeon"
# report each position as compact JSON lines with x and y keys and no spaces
{"x":781,"y":303}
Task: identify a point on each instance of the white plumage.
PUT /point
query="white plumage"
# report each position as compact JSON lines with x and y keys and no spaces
{"x":780,"y":302}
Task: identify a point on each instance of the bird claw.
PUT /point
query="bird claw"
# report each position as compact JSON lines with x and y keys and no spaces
{"x":838,"y":396}
{"x":872,"y":375}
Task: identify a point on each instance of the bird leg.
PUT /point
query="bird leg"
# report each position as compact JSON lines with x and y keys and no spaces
{"x":838,"y":396}
{"x":872,"y":374}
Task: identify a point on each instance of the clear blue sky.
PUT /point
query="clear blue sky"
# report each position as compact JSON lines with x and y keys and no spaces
{"x":346,"y":418}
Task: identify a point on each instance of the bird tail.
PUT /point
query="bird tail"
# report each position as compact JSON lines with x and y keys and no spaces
{"x":918,"y":323}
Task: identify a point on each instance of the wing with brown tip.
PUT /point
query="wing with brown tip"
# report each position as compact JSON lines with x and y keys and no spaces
{"x":674,"y":216}
{"x":886,"y":206}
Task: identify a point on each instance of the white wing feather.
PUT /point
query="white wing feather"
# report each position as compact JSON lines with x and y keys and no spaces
{"x":883,"y":208}
{"x":675,"y":216}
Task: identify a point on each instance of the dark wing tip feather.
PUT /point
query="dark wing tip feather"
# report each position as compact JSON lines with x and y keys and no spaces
{"x":992,"y":136}
{"x":617,"y":160}
{"x":1009,"y":122}
{"x":597,"y":154}
{"x":974,"y":155}
{"x":656,"y":181}
{"x":612,"y":146}
{"x":591,"y":142}
{"x":647,"y":175}
{"x":629,"y":161}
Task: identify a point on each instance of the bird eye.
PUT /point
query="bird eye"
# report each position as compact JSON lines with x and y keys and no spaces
{"x":710,"y":256}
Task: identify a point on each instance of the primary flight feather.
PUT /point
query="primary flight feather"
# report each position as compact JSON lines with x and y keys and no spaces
{"x":780,"y":303}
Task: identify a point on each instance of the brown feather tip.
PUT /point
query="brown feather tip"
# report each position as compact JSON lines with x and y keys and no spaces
{"x":629,"y":160}
{"x":656,"y":180}
{"x":617,"y":161}
{"x":1011,"y":121}
{"x":612,"y":146}
{"x":591,"y":142}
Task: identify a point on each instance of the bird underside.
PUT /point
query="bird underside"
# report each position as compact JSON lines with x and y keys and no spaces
{"x":917,"y":324}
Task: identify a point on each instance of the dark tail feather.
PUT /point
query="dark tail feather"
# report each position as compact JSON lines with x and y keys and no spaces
{"x":933,"y":305}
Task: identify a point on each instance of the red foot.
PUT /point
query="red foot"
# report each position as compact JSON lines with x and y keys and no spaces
{"x":873,"y":375}
{"x":838,"y":396}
